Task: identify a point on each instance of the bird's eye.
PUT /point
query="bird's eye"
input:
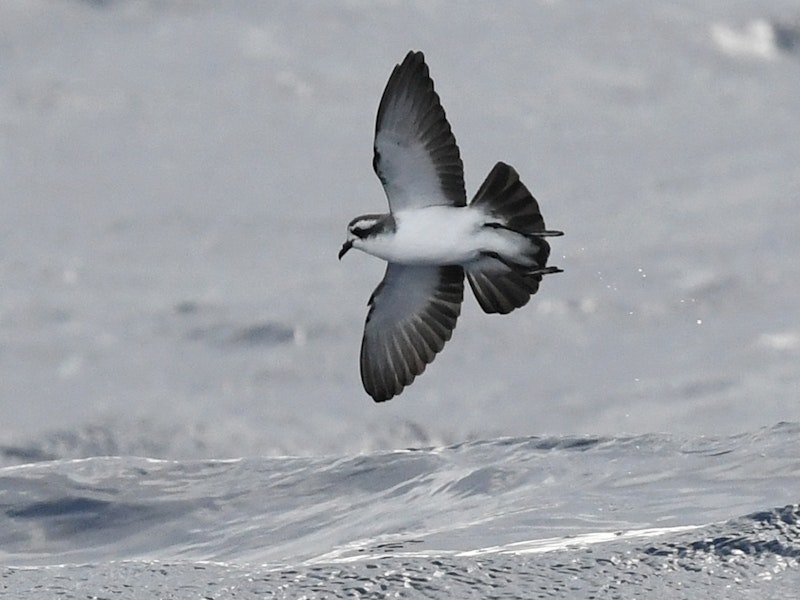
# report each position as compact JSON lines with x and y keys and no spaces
{"x":361,"y":231}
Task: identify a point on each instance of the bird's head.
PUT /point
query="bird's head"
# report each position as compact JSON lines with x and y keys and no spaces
{"x":363,"y":229}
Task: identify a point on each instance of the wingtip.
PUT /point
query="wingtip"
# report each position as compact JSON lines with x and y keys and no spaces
{"x":380,"y":399}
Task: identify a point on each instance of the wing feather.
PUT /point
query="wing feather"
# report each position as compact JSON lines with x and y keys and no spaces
{"x":415,"y":152}
{"x":413,"y":312}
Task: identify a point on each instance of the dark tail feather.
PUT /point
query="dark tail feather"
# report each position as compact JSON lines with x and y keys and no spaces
{"x":503,"y":290}
{"x":501,"y":286}
{"x":504,"y":196}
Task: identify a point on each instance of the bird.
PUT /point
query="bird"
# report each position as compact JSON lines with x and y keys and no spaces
{"x":431,"y":238}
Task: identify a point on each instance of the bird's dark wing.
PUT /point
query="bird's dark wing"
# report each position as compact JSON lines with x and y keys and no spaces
{"x":412,"y":314}
{"x":416,"y":156}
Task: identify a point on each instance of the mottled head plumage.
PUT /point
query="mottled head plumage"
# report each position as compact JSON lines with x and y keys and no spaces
{"x":366,"y":226}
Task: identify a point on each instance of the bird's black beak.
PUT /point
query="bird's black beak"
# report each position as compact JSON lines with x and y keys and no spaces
{"x":345,"y":247}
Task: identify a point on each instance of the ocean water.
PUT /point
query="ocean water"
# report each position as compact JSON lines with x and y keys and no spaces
{"x":535,"y":517}
{"x":181,"y":414}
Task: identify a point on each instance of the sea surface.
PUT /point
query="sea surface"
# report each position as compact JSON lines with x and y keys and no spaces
{"x":537,"y":517}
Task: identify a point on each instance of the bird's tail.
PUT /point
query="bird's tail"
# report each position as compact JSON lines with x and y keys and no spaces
{"x":499,"y":284}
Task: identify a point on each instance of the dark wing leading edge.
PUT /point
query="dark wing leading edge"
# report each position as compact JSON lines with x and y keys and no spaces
{"x":412,"y":314}
{"x":416,"y":156}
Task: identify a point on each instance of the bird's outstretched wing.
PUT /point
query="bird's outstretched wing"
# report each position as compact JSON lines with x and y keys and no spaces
{"x":413,"y":312}
{"x":416,"y":156}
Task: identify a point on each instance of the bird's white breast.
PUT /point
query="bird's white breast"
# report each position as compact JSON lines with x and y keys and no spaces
{"x":437,"y":235}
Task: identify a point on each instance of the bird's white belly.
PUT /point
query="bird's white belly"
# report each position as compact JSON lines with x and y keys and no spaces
{"x":440,"y":235}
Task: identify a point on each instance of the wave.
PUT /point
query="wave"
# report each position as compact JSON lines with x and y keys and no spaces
{"x":502,"y":496}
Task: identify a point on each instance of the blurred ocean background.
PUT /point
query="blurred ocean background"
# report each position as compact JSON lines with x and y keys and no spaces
{"x":181,"y":414}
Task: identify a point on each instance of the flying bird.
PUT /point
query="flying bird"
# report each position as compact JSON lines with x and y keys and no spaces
{"x":431,"y":237}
